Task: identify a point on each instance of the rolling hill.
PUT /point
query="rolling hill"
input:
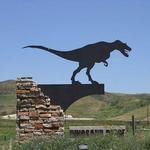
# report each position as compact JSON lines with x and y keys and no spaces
{"x":7,"y":97}
{"x":111,"y":106}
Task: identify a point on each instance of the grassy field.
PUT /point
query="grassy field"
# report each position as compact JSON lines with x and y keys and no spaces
{"x":128,"y":142}
{"x":7,"y":131}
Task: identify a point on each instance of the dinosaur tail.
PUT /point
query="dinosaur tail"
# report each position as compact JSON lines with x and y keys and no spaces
{"x":63,"y":54}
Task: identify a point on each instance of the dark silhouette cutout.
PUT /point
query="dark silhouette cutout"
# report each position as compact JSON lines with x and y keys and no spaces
{"x":88,"y":55}
{"x":66,"y":94}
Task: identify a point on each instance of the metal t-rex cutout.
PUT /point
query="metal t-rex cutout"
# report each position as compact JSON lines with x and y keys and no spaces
{"x":88,"y":55}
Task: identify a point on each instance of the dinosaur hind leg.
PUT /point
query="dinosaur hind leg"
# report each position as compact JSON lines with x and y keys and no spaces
{"x":89,"y":75}
{"x":74,"y":74}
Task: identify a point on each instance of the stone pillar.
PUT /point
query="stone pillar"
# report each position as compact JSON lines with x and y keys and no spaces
{"x":35,"y":114}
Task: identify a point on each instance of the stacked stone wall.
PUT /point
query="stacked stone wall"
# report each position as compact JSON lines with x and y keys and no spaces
{"x":35,"y":114}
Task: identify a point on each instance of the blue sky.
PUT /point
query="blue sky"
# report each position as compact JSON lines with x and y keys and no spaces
{"x":70,"y":24}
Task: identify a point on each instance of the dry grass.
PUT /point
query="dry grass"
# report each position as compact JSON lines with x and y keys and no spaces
{"x":140,"y":114}
{"x":85,"y":107}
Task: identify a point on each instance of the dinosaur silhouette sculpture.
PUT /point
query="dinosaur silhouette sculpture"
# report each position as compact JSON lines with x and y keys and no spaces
{"x":88,"y":55}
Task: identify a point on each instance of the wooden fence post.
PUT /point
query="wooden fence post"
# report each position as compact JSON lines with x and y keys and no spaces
{"x":133,"y":125}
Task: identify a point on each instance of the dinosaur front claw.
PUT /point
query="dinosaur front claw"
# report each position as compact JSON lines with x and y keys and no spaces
{"x":76,"y":83}
{"x":95,"y":83}
{"x":106,"y":64}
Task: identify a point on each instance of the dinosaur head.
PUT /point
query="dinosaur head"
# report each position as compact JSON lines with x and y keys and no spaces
{"x":122,"y":47}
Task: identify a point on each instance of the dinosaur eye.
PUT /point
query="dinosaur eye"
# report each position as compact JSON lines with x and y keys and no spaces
{"x":125,"y":44}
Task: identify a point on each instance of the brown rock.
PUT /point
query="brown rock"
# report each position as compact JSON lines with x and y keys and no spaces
{"x":33,"y":114}
{"x":38,"y":125}
{"x":55,"y":113}
{"x":45,"y":114}
{"x":23,"y":113}
{"x":22,"y":91}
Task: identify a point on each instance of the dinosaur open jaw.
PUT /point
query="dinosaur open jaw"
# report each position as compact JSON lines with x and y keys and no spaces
{"x":125,"y":52}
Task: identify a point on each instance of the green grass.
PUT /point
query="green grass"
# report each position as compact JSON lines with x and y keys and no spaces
{"x":7,"y":131}
{"x":108,"y":142}
{"x":140,"y":141}
{"x":7,"y":104}
{"x":7,"y":127}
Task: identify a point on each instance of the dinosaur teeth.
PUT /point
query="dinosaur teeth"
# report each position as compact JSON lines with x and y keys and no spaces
{"x":126,"y":51}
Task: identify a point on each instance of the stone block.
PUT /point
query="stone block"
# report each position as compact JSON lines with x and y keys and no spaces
{"x":38,"y":133}
{"x":19,"y":130}
{"x":45,"y":114}
{"x":28,"y":130}
{"x":22,"y":113}
{"x":47,"y":125}
{"x":37,"y":101}
{"x":26,"y":125}
{"x":22,"y":109}
{"x":43,"y":107}
{"x":32,"y":109}
{"x":33,"y":114}
{"x":23,"y":117}
{"x":20,"y":92}
{"x":48,"y":130}
{"x":38,"y":125}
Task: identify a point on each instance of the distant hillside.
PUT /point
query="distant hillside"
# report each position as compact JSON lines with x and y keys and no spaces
{"x":7,"y":87}
{"x":7,"y":97}
{"x":116,"y":106}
